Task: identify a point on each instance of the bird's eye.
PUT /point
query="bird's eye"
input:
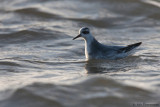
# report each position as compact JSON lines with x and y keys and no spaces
{"x":85,"y":32}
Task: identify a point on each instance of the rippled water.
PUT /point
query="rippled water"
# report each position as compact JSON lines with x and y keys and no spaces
{"x":41,"y":66}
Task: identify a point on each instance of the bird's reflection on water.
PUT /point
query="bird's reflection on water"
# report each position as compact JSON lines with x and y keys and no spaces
{"x":94,"y":66}
{"x":106,"y":66}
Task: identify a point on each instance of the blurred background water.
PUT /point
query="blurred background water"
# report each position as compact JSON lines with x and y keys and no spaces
{"x":40,"y":65}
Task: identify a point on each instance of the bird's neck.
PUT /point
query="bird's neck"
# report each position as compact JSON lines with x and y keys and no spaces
{"x":88,"y":46}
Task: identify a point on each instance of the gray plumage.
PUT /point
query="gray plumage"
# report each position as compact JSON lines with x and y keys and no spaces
{"x":96,"y":50}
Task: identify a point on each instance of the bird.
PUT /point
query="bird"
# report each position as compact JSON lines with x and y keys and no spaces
{"x":96,"y":50}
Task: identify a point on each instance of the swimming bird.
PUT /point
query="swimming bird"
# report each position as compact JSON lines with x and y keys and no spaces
{"x":96,"y":50}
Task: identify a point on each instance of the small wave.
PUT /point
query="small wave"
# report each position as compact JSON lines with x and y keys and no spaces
{"x":9,"y":63}
{"x":24,"y":36}
{"x":126,"y":14}
{"x":97,"y":23}
{"x":36,"y":13}
{"x":96,"y":91}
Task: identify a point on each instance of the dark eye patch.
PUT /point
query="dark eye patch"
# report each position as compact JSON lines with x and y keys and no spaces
{"x":85,"y":32}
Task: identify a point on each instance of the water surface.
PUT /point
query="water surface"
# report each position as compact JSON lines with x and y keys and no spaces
{"x":40,"y":64}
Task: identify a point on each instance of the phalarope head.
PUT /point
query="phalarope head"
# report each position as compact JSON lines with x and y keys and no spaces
{"x":84,"y":32}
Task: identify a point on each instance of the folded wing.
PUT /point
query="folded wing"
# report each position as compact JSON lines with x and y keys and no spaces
{"x":129,"y":47}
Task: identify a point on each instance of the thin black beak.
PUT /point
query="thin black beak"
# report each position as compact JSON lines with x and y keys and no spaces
{"x":77,"y":37}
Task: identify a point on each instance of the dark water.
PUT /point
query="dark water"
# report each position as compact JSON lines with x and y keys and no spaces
{"x":40,"y":65}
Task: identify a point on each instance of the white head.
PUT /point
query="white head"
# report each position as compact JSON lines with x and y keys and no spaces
{"x":84,"y":32}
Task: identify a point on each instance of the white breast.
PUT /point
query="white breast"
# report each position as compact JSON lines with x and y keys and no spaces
{"x":87,"y":49}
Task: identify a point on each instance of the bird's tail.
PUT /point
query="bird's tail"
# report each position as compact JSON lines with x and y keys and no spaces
{"x":130,"y":47}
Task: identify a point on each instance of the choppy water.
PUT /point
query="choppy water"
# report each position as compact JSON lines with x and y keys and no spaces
{"x":40,"y":65}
